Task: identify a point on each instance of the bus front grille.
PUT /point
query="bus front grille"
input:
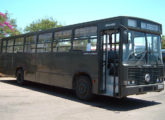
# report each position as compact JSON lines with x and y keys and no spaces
{"x":138,"y":75}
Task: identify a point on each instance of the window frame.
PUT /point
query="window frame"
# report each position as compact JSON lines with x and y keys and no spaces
{"x":19,"y":45}
{"x":2,"y":48}
{"x":7,"y":46}
{"x":62,"y":40}
{"x":30,"y":44}
{"x":44,"y":43}
{"x":88,"y":37}
{"x":57,"y":46}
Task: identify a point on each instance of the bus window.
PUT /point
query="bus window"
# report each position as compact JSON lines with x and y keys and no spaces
{"x":93,"y":44}
{"x":45,"y":38}
{"x":85,"y":39}
{"x":80,"y":45}
{"x":19,"y":41}
{"x":62,"y":46}
{"x":0,"y":46}
{"x":18,"y":49}
{"x":44,"y":43}
{"x":63,"y":35}
{"x":86,"y":32}
{"x":10,"y":44}
{"x":4,"y":46}
{"x":47,"y":47}
{"x":85,"y":45}
{"x":19,"y":44}
{"x":30,"y":44}
{"x":62,"y":41}
{"x":31,"y":39}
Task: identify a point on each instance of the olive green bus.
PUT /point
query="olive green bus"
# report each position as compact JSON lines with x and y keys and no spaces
{"x":115,"y":57}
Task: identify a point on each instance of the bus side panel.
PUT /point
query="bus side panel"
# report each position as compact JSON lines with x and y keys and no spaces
{"x":54,"y":69}
{"x":7,"y":64}
{"x":27,"y":61}
{"x":86,"y":63}
{"x":31,"y":67}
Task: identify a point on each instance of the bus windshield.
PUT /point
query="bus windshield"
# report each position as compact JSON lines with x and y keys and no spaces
{"x":142,"y":49}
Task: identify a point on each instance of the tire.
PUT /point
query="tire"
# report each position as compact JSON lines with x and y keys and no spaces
{"x":83,"y":88}
{"x":20,"y":77}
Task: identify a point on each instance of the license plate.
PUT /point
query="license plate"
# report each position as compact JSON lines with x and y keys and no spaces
{"x":160,"y":86}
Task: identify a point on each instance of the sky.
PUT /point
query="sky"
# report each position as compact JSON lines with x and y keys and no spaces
{"x":77,"y":11}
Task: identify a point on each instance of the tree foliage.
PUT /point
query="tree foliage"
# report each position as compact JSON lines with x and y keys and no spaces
{"x":8,"y":26}
{"x":15,"y":27}
{"x":163,"y":42}
{"x":5,"y":27}
{"x":42,"y":24}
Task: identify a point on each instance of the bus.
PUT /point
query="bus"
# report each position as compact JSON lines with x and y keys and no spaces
{"x":115,"y":57}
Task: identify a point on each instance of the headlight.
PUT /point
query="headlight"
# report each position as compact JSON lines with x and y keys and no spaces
{"x":147,"y":78}
{"x":131,"y":82}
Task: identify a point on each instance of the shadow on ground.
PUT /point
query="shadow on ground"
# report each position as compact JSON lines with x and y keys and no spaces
{"x":113,"y":104}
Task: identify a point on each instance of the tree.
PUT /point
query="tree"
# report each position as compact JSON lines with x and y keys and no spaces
{"x":42,"y":24}
{"x":8,"y":26}
{"x":13,"y":23}
{"x":5,"y":27}
{"x":163,"y":42}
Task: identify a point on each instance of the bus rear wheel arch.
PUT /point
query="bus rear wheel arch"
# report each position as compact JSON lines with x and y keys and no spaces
{"x":83,"y":87}
{"x":20,"y":76}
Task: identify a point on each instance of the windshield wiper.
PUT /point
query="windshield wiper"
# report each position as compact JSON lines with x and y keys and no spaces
{"x":139,"y":55}
{"x":142,"y":57}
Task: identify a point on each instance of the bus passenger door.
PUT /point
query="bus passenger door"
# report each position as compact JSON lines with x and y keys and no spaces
{"x":110,"y":62}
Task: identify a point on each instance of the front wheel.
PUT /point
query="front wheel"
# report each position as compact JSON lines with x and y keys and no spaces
{"x":84,"y":88}
{"x":20,"y":77}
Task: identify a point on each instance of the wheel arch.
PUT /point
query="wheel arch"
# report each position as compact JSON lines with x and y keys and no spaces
{"x":77,"y":75}
{"x":18,"y":68}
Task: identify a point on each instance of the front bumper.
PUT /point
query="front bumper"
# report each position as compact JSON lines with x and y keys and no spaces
{"x":140,"y":89}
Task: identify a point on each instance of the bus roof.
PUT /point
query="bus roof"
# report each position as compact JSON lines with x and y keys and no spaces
{"x":90,"y":23}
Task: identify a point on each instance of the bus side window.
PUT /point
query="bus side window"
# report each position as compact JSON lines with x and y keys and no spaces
{"x":62,"y":46}
{"x":93,"y":43}
{"x":18,"y":47}
{"x":88,"y":47}
{"x":62,"y":41}
{"x":44,"y":43}
{"x":10,"y":44}
{"x":80,"y":44}
{"x":4,"y":43}
{"x":30,"y":44}
{"x":85,"y":39}
{"x":0,"y":46}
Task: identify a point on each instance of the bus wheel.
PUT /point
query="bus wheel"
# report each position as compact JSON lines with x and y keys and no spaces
{"x":83,"y":88}
{"x":20,"y":77}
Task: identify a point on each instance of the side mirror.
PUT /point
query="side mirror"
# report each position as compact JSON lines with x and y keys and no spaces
{"x":125,"y":36}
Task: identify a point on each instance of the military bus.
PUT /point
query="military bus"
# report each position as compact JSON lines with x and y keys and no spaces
{"x":115,"y":57}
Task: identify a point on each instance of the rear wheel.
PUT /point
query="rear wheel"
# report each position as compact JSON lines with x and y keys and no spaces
{"x":20,"y":77}
{"x":84,"y":88}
